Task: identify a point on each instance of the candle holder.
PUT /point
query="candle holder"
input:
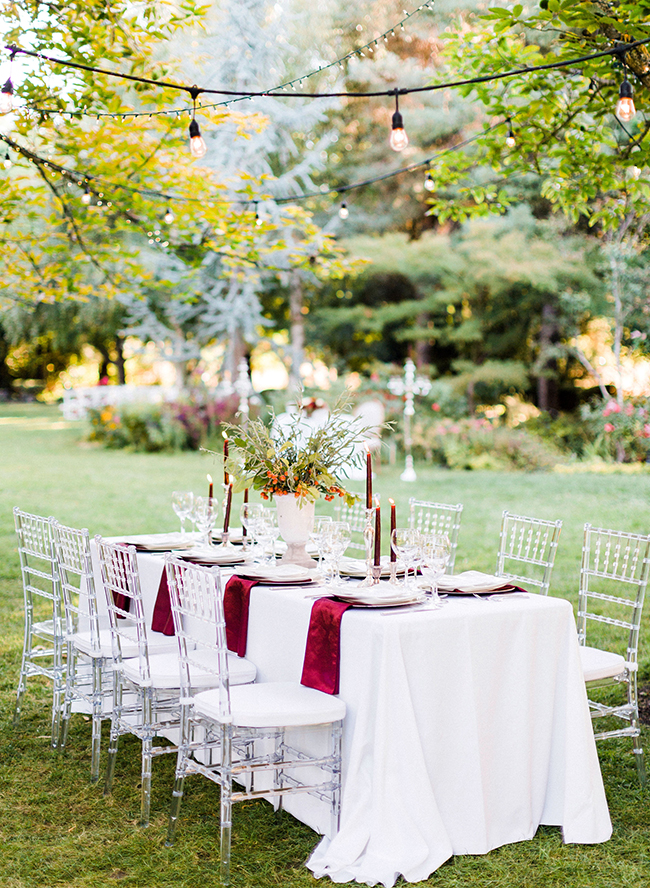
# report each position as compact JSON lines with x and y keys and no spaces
{"x":376,"y":574}
{"x":393,"y":573}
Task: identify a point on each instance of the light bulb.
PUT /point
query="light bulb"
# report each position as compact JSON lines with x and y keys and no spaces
{"x":429,"y":184}
{"x":7,"y":162}
{"x":625,"y":109}
{"x":86,"y":197}
{"x":258,"y":219}
{"x":510,"y":138}
{"x":7,"y":97}
{"x":343,"y":211}
{"x":168,"y":217}
{"x":197,"y":145}
{"x":398,"y":138}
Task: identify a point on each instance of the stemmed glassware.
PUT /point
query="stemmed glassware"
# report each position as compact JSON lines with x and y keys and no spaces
{"x":435,"y":551}
{"x":336,"y":539}
{"x":266,"y":532}
{"x":405,"y":543}
{"x":182,"y":504}
{"x":204,"y":515}
{"x":317,"y":536}
{"x":250,"y":514}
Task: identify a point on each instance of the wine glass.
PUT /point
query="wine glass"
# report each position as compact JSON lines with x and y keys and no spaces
{"x":182,"y":504}
{"x":405,"y":543}
{"x":336,"y":539}
{"x":204,"y":515}
{"x":250,"y":513}
{"x":317,"y":536}
{"x":435,"y":552}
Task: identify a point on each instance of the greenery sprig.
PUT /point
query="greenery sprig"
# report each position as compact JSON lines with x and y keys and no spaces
{"x":279,"y":460}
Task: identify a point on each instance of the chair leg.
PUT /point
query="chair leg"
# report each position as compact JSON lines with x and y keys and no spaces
{"x":147,"y":745}
{"x":97,"y":678}
{"x":27,"y":652}
{"x":115,"y":733}
{"x":278,"y":774}
{"x":337,"y":733}
{"x":66,"y":709}
{"x":226,"y":803}
{"x":637,"y":749}
{"x":177,"y":798}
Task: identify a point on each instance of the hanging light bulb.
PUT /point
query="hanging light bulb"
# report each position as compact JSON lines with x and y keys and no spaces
{"x":86,"y":197}
{"x":398,"y":138}
{"x":510,"y":138}
{"x":343,"y":211}
{"x":7,"y":97}
{"x":168,"y":217}
{"x":625,"y":109}
{"x":258,"y":218}
{"x":197,"y":144}
{"x":429,"y":184}
{"x":7,"y":162}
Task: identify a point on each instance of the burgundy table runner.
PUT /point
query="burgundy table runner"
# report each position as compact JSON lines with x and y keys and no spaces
{"x":321,"y":667}
{"x":236,"y":601}
{"x":163,"y":619}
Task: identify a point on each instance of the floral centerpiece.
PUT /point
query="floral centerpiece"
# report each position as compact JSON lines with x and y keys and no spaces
{"x":296,"y":459}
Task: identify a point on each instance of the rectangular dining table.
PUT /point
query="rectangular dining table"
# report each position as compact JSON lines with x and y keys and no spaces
{"x":467,"y":727}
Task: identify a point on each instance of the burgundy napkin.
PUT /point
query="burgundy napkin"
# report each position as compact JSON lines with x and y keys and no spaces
{"x":323,"y":650}
{"x":236,"y":599}
{"x":163,"y":619}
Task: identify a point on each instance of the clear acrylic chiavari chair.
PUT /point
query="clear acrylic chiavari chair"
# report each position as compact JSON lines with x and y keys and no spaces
{"x":244,"y":729}
{"x":613,"y":582}
{"x":44,"y":639}
{"x":356,"y":517}
{"x":88,"y":681}
{"x":527,"y":549}
{"x":437,"y":518}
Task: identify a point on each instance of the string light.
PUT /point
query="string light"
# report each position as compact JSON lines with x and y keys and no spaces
{"x":625,"y":109}
{"x":398,"y":138}
{"x":429,"y":184}
{"x":343,"y":211}
{"x":168,"y":217}
{"x":7,"y":162}
{"x":258,"y":218}
{"x":197,"y":143}
{"x":510,"y":138}
{"x":7,"y":97}
{"x":86,"y":197}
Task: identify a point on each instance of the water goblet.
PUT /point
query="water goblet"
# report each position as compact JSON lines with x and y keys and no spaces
{"x":204,"y":515}
{"x":182,"y":504}
{"x":435,"y":551}
{"x":266,"y":533}
{"x":405,"y":543}
{"x":317,"y":536}
{"x":250,"y":513}
{"x":336,"y":539}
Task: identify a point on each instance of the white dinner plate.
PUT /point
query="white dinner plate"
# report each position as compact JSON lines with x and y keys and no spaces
{"x":160,"y":542}
{"x":213,"y":556}
{"x":382,"y":598}
{"x":356,"y":567}
{"x":473,"y":582}
{"x":278,"y":574}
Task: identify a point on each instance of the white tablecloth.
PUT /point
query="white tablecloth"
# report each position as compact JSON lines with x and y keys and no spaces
{"x":466,"y":728}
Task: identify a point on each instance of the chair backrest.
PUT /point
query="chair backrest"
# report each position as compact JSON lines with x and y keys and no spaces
{"x":196,"y":598}
{"x":121,"y":582}
{"x":613,"y":581}
{"x":38,"y":564}
{"x":527,"y":548}
{"x":437,"y":518}
{"x":72,"y":552}
{"x":357,"y":517}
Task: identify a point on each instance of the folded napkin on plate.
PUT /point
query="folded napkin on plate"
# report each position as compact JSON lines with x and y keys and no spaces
{"x":236,"y":602}
{"x":321,"y":667}
{"x":473,"y":581}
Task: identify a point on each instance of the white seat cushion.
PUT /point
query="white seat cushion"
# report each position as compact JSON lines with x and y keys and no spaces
{"x":274,"y":705}
{"x":597,"y":664}
{"x":165,"y":672}
{"x":158,"y":643}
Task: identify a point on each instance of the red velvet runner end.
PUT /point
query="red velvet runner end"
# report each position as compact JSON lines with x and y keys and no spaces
{"x":163,"y":619}
{"x":236,"y":600}
{"x":323,"y":650}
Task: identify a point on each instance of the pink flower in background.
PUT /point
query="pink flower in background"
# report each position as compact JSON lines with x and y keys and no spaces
{"x":616,"y":408}
{"x":629,"y":409}
{"x":435,"y":407}
{"x":609,"y":427}
{"x":646,"y":430}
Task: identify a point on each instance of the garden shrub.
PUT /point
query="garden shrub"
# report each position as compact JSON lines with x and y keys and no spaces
{"x":151,"y":428}
{"x":620,"y":432}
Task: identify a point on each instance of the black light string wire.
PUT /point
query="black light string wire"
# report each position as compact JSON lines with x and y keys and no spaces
{"x":86,"y":179}
{"x":619,"y":49}
{"x":289,"y":84}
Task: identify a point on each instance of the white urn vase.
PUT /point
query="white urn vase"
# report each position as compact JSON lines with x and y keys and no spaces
{"x":296,"y":522}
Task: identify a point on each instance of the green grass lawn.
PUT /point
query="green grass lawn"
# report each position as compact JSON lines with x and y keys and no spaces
{"x":57,"y":830}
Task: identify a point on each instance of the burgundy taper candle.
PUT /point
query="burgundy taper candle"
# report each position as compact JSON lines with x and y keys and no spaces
{"x":226,"y":517}
{"x":368,"y":478}
{"x":244,"y":532}
{"x":393,"y":525}
{"x":226,"y":479}
{"x":377,"y":533}
{"x":211,"y":488}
